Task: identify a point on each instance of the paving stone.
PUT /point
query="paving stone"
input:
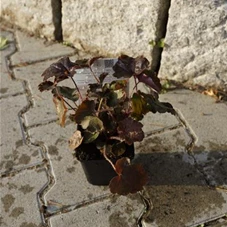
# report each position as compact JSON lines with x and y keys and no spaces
{"x":163,"y":155}
{"x":19,"y":205}
{"x":214,"y":165}
{"x":204,"y":116}
{"x":28,"y":45}
{"x":155,"y":122}
{"x":8,"y":86}
{"x":13,"y":152}
{"x":201,"y":113}
{"x":115,"y":212}
{"x":184,"y":205}
{"x":71,"y":186}
{"x":42,"y":101}
{"x":21,"y":156}
{"x":176,"y":187}
{"x":164,"y":143}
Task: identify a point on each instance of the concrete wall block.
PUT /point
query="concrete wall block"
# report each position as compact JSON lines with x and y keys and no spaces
{"x":34,"y":16}
{"x":111,"y":27}
{"x":196,"y":42}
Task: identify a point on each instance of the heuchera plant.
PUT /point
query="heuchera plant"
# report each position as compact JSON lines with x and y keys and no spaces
{"x":108,"y":116}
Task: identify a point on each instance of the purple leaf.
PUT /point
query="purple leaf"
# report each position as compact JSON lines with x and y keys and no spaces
{"x":148,"y":81}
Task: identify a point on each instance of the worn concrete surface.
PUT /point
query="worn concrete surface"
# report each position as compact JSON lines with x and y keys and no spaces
{"x":196,"y":41}
{"x":34,"y":16}
{"x":112,"y":28}
{"x":43,"y":185}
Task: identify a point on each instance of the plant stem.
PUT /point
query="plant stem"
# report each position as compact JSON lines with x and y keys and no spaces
{"x":77,"y":89}
{"x":97,"y":79}
{"x":135,"y":82}
{"x":100,"y":103}
{"x":68,"y":104}
{"x":64,"y":99}
{"x":116,"y":138}
{"x":107,"y":159}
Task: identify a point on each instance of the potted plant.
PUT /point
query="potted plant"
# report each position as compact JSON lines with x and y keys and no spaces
{"x":108,"y":118}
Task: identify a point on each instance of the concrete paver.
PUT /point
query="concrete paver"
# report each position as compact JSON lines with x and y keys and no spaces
{"x":8,"y":87}
{"x":117,"y":211}
{"x":41,"y":101}
{"x":184,"y":205}
{"x":207,"y":119}
{"x":204,"y":116}
{"x":14,"y":153}
{"x":19,"y":204}
{"x":32,"y":49}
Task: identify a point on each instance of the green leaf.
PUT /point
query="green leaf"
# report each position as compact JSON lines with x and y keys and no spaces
{"x":118,"y":84}
{"x":139,"y":106}
{"x":154,"y":105}
{"x":152,"y":43}
{"x":161,"y":43}
{"x":89,"y":136}
{"x":114,"y":97}
{"x":86,"y":108}
{"x":92,"y":127}
{"x":92,"y":124}
{"x":3,"y":42}
{"x":108,"y":121}
{"x":118,"y":149}
{"x":67,"y":92}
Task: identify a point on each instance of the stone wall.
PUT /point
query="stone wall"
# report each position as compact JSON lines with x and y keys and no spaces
{"x":111,"y":27}
{"x":195,"y":36}
{"x":196,"y":41}
{"x":34,"y":16}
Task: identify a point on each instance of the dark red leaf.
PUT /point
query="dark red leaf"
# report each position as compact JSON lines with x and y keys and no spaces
{"x":69,"y":65}
{"x":127,"y":66}
{"x":149,"y":82}
{"x":139,"y":65}
{"x":103,"y":76}
{"x":60,"y":70}
{"x":86,"y":108}
{"x":130,"y":179}
{"x":124,"y":67}
{"x":92,"y":60}
{"x":46,"y":85}
{"x":130,"y":130}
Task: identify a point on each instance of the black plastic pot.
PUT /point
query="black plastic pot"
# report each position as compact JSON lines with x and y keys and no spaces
{"x":100,"y":172}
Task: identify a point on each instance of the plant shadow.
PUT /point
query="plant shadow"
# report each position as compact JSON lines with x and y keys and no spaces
{"x":178,"y":187}
{"x":180,"y":168}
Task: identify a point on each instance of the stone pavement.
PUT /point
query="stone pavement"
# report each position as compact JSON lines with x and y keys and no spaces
{"x":43,"y":185}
